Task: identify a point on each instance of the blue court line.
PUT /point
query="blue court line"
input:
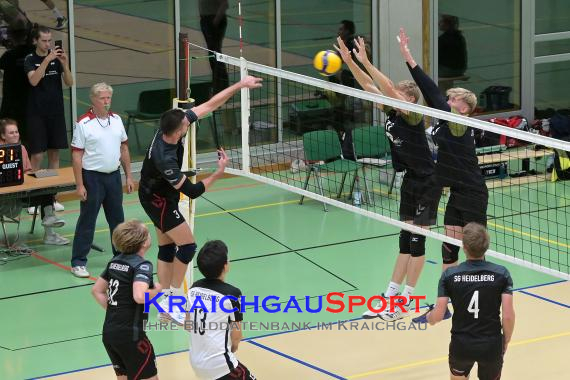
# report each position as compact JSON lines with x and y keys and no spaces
{"x":540,"y":285}
{"x":545,"y":299}
{"x":431,"y":261}
{"x":297,"y":360}
{"x":251,"y":340}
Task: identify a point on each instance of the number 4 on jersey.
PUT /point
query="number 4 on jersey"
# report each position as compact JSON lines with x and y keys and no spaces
{"x":474,"y":304}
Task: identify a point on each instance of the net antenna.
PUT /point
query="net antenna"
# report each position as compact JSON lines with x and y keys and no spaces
{"x":240,"y":17}
{"x":526,"y":215}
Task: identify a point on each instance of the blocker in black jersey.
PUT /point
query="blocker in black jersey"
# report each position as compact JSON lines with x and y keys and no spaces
{"x":161,"y":170}
{"x":410,"y":153}
{"x":475,"y":288}
{"x":457,"y":165}
{"x":126,"y":343}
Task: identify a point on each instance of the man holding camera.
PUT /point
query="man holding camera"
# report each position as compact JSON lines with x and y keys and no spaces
{"x":45,"y":115}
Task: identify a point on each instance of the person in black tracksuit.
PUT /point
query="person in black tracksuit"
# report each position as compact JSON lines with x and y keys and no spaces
{"x":120,"y":290}
{"x":410,"y":154}
{"x":484,"y":317}
{"x":457,"y":165}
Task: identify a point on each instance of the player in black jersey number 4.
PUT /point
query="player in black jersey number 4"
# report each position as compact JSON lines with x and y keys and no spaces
{"x":478,"y":290}
{"x":121,"y":291}
{"x":162,"y":182}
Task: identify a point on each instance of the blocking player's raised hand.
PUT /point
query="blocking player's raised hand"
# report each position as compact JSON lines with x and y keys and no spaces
{"x":403,"y":40}
{"x":251,"y":82}
{"x":222,"y":159}
{"x":360,"y":50}
{"x":343,"y":50}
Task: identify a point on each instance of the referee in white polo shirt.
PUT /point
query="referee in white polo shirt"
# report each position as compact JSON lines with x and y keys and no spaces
{"x":99,"y":145}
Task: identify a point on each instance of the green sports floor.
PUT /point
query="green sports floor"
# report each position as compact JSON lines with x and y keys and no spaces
{"x":50,"y":324}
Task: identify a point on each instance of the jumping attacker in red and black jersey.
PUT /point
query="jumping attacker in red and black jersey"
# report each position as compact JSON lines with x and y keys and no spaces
{"x":121,"y":291}
{"x":479,"y":292}
{"x":457,"y":165}
{"x":162,"y":181}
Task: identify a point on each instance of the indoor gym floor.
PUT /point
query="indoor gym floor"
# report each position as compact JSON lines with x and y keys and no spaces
{"x":50,"y":325}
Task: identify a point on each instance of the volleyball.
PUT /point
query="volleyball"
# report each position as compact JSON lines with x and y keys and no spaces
{"x":327,"y":62}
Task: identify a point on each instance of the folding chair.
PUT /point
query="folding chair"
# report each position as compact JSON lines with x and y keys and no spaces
{"x":323,"y":146}
{"x":371,"y":147}
{"x":151,"y":104}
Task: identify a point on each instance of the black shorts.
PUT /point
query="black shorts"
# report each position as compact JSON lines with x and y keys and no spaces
{"x":488,"y":355}
{"x":414,"y":204}
{"x":240,"y":373}
{"x":46,"y":132}
{"x":466,"y":205}
{"x":163,"y":212}
{"x":136,"y":360}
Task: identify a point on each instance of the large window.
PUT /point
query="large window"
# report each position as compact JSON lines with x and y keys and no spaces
{"x":479,"y":48}
{"x":214,"y":26}
{"x":129,"y":45}
{"x":552,"y":55}
{"x":306,"y":31}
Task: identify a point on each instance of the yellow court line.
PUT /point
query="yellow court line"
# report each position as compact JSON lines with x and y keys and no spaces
{"x":513,"y":230}
{"x":445,"y":358}
{"x":196,"y":216}
{"x":309,"y":199}
{"x":529,"y":235}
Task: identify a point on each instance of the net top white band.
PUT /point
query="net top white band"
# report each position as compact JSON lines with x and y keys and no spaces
{"x":468,"y":121}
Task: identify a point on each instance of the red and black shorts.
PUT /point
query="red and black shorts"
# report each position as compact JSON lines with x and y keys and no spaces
{"x":162,"y":211}
{"x":239,"y":373}
{"x":136,"y":360}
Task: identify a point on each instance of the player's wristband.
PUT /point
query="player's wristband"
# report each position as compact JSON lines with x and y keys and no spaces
{"x":192,"y":190}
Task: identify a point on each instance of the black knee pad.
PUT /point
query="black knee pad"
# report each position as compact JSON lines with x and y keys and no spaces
{"x":449,"y":253}
{"x":405,"y":242}
{"x":418,"y":245}
{"x":166,"y":252}
{"x":186,"y":252}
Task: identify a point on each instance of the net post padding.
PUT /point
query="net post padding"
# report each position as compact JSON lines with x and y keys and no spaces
{"x":187,"y":205}
{"x":183,"y":66}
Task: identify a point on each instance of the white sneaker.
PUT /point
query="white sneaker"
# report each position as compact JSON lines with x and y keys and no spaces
{"x":56,"y":239}
{"x":177,"y":317}
{"x":58,"y":206}
{"x":388,"y":316}
{"x":32,"y":210}
{"x":52,"y":221}
{"x":80,"y":272}
{"x":368,"y":314}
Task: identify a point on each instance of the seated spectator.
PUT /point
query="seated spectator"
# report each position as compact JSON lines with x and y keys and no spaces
{"x":9,"y":134}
